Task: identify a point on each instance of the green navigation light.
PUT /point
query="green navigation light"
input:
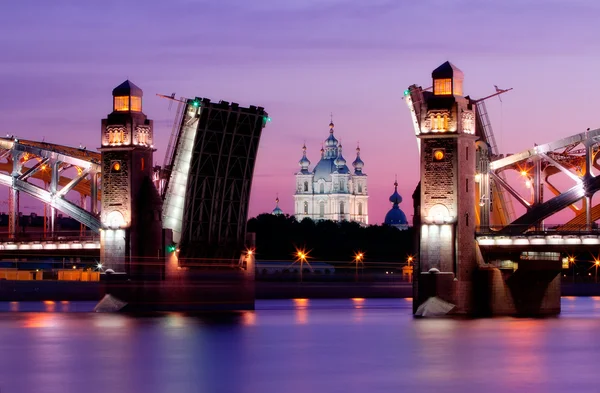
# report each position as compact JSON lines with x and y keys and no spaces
{"x":196,"y":103}
{"x":406,"y":92}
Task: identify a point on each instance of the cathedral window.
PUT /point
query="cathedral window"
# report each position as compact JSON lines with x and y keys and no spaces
{"x":360,"y":209}
{"x":442,"y":86}
{"x":305,"y":207}
{"x":359,"y":187}
{"x":322,"y":188}
{"x":341,"y":207}
{"x":305,"y":186}
{"x":322,"y":209}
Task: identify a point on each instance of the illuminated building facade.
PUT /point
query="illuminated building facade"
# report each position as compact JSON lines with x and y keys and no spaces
{"x":331,"y":191}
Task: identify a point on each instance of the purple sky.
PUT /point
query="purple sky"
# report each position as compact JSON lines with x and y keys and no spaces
{"x":301,"y":60}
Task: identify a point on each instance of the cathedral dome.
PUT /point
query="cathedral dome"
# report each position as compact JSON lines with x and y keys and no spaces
{"x":324,"y":168}
{"x":396,"y":216}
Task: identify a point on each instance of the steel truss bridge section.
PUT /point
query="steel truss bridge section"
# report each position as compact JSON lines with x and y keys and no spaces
{"x":51,"y":161}
{"x":537,"y":165}
{"x":219,"y":182}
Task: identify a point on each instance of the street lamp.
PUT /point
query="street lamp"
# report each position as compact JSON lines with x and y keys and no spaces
{"x":358,"y":258}
{"x":572,"y":261}
{"x":302,"y":257}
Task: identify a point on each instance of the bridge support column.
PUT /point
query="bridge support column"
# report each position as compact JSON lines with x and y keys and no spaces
{"x":537,"y":186}
{"x":13,"y":198}
{"x":588,"y":212}
{"x":54,"y":166}
{"x":94,"y":192}
{"x":13,"y":213}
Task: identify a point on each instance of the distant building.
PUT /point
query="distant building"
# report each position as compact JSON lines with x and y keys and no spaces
{"x":396,"y":217}
{"x":331,"y":191}
{"x":277,"y":211}
{"x":278,"y":267}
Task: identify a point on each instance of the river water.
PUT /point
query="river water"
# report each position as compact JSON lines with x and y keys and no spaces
{"x":354,"y":345}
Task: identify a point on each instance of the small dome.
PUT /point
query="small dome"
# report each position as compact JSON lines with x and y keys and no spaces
{"x":277,"y":211}
{"x":395,"y":216}
{"x":304,"y":162}
{"x":396,"y":199}
{"x":358,"y":164}
{"x":340,"y":160}
{"x":331,"y":141}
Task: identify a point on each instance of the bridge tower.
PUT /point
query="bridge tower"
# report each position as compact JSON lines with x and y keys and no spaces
{"x":444,"y":123}
{"x":131,"y":207}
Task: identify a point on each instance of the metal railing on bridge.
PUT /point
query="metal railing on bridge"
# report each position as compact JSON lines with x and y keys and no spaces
{"x":537,"y":230}
{"x":56,"y":237}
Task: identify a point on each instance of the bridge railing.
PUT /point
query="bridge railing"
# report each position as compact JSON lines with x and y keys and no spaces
{"x":542,"y":230}
{"x":60,"y":236}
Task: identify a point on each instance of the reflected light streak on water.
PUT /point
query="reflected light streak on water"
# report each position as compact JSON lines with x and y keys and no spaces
{"x":298,"y":345}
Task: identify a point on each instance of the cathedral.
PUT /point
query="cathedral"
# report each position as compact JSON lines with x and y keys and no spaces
{"x":331,"y":191}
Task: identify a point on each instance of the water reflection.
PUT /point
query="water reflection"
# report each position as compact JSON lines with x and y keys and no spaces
{"x":300,"y":345}
{"x":301,"y":310}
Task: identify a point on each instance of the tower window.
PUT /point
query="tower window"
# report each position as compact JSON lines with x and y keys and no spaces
{"x":360,"y":209}
{"x":467,"y":185}
{"x":359,"y":187}
{"x":142,"y":164}
{"x":467,"y":219}
{"x":322,"y":209}
{"x":467,"y":153}
{"x":116,"y":166}
{"x":341,"y":207}
{"x":442,"y":86}
{"x":121,"y":104}
{"x":136,"y":104}
{"x":305,"y":207}
{"x":305,"y":186}
{"x":322,"y":188}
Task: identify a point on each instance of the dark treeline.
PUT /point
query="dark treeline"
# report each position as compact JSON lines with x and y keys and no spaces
{"x":277,"y":238}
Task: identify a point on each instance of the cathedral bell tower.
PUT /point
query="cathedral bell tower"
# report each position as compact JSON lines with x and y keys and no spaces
{"x":130,"y":213}
{"x":445,"y":127}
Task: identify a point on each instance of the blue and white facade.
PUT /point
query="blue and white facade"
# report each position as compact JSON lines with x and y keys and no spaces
{"x":331,"y":191}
